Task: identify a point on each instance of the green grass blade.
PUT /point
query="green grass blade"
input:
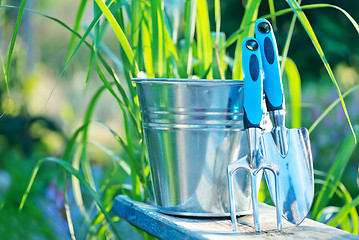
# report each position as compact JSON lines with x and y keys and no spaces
{"x":190,"y":24}
{"x":295,"y":92}
{"x":345,"y":224}
{"x":347,"y":210}
{"x":120,"y":36}
{"x":82,"y":159}
{"x":98,"y":219}
{"x":136,"y":16}
{"x":92,"y":25}
{"x":90,"y":66}
{"x":81,"y":179}
{"x":229,"y":61}
{"x":124,"y":104}
{"x":235,"y":36}
{"x":204,"y":40}
{"x":61,"y":23}
{"x":81,"y":156}
{"x":86,"y":169}
{"x":272,"y":11}
{"x":96,"y":42}
{"x":68,"y":153}
{"x":315,"y":6}
{"x":120,"y":16}
{"x":158,"y":38}
{"x":127,"y":103}
{"x":129,"y":151}
{"x":82,"y":40}
{"x":330,"y":107}
{"x":28,"y":188}
{"x":68,"y":215}
{"x":71,"y":143}
{"x":111,"y":55}
{"x":90,"y":109}
{"x":173,"y":51}
{"x":113,"y":155}
{"x":107,"y":84}
{"x":334,"y":176}
{"x":307,"y":26}
{"x":13,"y":40}
{"x":291,"y":29}
{"x":97,"y":37}
{"x":76,"y":188}
{"x":123,"y":94}
{"x":217,"y":16}
{"x":79,"y":14}
{"x":350,"y":18}
{"x":247,"y":30}
{"x":288,"y":40}
{"x":121,"y":104}
{"x":136,"y":169}
{"x":170,"y":24}
{"x":146,"y":46}
{"x":108,"y":197}
{"x":4,"y":105}
{"x":219,"y":53}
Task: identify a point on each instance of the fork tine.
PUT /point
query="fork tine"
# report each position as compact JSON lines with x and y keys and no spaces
{"x":231,"y":169}
{"x":275,"y":171}
{"x":232,"y":200}
{"x":255,"y":200}
{"x":278,"y":205}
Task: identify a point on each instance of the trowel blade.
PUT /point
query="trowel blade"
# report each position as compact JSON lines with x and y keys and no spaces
{"x":295,"y":174}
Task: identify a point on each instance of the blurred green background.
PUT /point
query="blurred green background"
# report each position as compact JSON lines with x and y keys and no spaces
{"x":40,"y":110}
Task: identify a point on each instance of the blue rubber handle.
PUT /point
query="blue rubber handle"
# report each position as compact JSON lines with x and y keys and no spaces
{"x":252,"y":83}
{"x":272,"y":83}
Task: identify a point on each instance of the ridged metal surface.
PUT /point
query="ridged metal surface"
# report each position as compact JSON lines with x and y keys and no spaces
{"x":193,"y":130}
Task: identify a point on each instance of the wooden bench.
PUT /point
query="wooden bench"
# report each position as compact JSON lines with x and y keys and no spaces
{"x":148,"y":219}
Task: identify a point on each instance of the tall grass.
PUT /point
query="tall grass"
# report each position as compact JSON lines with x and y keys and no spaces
{"x":148,"y":43}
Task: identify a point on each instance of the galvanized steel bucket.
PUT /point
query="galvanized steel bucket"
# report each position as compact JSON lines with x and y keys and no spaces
{"x":193,"y":129}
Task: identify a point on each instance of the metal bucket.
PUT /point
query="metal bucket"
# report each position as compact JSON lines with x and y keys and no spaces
{"x":193,"y":129}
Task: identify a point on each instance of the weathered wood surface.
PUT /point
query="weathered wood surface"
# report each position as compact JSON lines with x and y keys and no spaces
{"x":147,"y":218}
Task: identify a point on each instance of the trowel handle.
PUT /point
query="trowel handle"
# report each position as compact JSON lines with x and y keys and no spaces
{"x":272,"y":83}
{"x":252,"y":83}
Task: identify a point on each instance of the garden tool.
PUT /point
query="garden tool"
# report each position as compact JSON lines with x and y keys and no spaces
{"x":254,"y":162}
{"x":287,"y":148}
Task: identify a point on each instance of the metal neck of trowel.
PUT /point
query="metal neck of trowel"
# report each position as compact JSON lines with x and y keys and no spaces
{"x":278,"y":117}
{"x":252,"y":97}
{"x":272,"y":83}
{"x":279,"y":132}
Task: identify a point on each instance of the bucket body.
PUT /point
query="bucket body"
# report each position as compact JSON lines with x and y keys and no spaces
{"x":193,"y":129}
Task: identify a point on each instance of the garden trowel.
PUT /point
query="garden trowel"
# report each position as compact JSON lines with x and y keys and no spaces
{"x":254,"y":162}
{"x":287,"y":148}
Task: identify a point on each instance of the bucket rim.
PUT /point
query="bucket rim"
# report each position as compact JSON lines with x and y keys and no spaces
{"x":186,"y":80}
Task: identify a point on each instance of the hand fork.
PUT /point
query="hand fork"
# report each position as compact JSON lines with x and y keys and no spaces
{"x":254,"y":162}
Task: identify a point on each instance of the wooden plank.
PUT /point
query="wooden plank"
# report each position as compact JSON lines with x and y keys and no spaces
{"x":147,"y":218}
